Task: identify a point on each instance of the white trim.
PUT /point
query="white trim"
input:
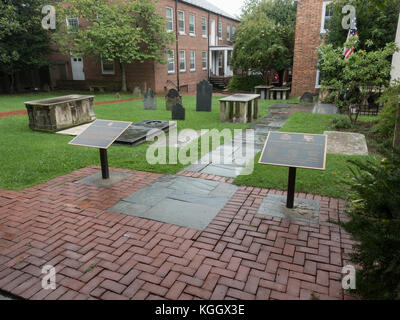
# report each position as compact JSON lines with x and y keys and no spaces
{"x":202,"y":60}
{"x":205,"y":20}
{"x":219,"y":24}
{"x":324,"y":5}
{"x":68,"y":24}
{"x":317,"y":84}
{"x":172,"y":18}
{"x":179,"y":21}
{"x":173,"y":62}
{"x":228,"y":32}
{"x":106,"y":71}
{"x":184,"y":57}
{"x":194,"y":60}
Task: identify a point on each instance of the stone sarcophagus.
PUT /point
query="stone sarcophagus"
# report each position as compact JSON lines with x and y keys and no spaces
{"x":59,"y":113}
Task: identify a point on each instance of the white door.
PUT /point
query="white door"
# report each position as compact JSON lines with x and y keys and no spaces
{"x":212,"y":33}
{"x":77,"y":68}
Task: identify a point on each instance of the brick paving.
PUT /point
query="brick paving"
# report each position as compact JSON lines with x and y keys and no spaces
{"x":99,"y":254}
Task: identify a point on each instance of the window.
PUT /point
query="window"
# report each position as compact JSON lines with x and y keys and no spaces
{"x":229,"y":58}
{"x":171,"y":61}
{"x":220,"y":30}
{"x":220,"y":59}
{"x":192,"y":60}
{"x":327,"y":13}
{"x":181,"y":22}
{"x":170,"y":19}
{"x":204,"y":60}
{"x":73,"y":24}
{"x":228,"y":32}
{"x":204,"y":27}
{"x":192,"y":24}
{"x":107,"y":67}
{"x":233,"y":32}
{"x":182,"y":60}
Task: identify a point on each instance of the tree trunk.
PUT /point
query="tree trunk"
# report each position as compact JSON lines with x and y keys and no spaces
{"x":12,"y":82}
{"x":124,"y":87}
{"x":396,"y":139}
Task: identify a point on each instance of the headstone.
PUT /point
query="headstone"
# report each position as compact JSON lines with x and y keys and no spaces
{"x":137,"y":92}
{"x":172,"y":98}
{"x":204,"y":96}
{"x":117,"y":96}
{"x":307,"y":97}
{"x":149,"y":100}
{"x":178,"y":112}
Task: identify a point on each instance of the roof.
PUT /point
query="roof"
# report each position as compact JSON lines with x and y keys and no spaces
{"x":210,"y":7}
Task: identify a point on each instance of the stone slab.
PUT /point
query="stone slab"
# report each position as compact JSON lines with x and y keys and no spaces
{"x":97,"y":180}
{"x":347,"y":143}
{"x":183,"y":201}
{"x":304,"y":210}
{"x":325,"y":108}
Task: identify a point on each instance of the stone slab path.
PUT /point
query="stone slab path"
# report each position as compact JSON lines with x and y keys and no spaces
{"x":101,"y":254}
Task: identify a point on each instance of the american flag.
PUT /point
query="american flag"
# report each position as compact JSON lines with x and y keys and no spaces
{"x":352,"y":33}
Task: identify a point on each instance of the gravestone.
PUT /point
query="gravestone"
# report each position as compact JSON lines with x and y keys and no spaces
{"x":307,"y":97}
{"x":172,"y":98}
{"x":117,"y":96}
{"x":137,"y":92}
{"x":204,"y":96}
{"x":149,"y":100}
{"x":178,"y":112}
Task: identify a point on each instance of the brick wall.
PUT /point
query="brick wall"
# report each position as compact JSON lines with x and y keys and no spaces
{"x":155,"y":75}
{"x":308,"y":38}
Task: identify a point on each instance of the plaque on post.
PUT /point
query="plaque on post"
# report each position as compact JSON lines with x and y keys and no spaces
{"x":204,"y":96}
{"x":101,"y":134}
{"x":294,"y":150}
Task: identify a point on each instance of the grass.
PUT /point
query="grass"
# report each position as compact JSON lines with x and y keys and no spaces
{"x":13,"y":102}
{"x":30,"y":157}
{"x":328,"y":182}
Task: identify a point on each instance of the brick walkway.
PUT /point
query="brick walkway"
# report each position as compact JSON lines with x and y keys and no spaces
{"x":104,"y":255}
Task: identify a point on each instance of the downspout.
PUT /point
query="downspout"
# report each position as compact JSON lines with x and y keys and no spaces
{"x":208,"y":46}
{"x":177,"y":45}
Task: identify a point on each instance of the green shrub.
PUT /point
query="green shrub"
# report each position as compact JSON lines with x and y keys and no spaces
{"x":387,"y":117}
{"x":241,"y":83}
{"x":341,"y":123}
{"x":374,"y":223}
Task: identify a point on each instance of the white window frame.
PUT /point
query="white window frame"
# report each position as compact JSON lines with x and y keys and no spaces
{"x":204,"y":23}
{"x":218,"y":30}
{"x":180,"y":60}
{"x":233,"y":32}
{"x":324,"y":5}
{"x":194,"y":24}
{"x":204,"y":55}
{"x":192,"y":52}
{"x":179,"y":21}
{"x":170,"y":18}
{"x":68,"y":24}
{"x":107,"y":71}
{"x":228,"y":32}
{"x":171,"y":60}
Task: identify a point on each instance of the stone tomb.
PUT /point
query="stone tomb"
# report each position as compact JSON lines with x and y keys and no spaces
{"x":172,"y":98}
{"x":307,"y":97}
{"x":178,"y":112}
{"x":204,"y":96}
{"x":149,"y":100}
{"x":138,"y":132}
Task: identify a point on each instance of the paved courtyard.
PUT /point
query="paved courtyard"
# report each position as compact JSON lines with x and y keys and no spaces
{"x":101,"y":254}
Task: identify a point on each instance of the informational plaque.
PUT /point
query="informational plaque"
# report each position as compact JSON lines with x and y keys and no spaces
{"x":296,"y":150}
{"x":101,"y":134}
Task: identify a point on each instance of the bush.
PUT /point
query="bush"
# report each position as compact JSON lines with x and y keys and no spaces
{"x":241,"y":83}
{"x":341,"y":123}
{"x":375,"y":224}
{"x":387,"y":117}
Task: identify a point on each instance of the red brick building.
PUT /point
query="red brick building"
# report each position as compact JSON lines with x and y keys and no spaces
{"x":312,"y":16}
{"x":203,"y":50}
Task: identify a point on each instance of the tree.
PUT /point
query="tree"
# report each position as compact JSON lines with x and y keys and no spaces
{"x":265,"y":37}
{"x":374,"y":24}
{"x":24,"y":44}
{"x":126,"y":31}
{"x":353,"y":79}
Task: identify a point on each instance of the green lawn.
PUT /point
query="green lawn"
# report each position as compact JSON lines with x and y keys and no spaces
{"x":13,"y":102}
{"x":328,"y":182}
{"x":29,"y":158}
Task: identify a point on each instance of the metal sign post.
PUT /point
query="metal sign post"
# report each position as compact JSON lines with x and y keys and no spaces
{"x":294,"y":150}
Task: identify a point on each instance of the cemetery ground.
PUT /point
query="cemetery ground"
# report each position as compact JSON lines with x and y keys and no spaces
{"x":49,"y":217}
